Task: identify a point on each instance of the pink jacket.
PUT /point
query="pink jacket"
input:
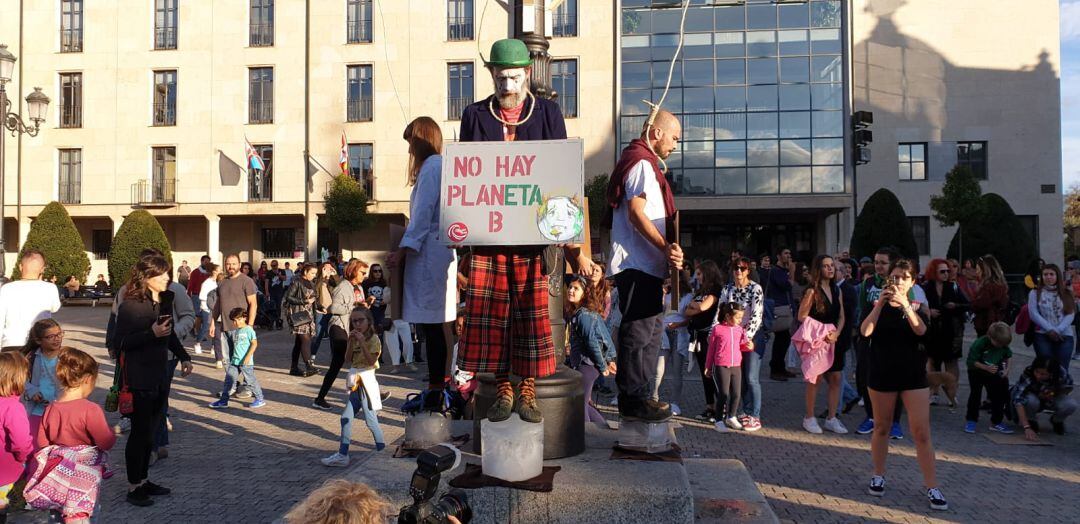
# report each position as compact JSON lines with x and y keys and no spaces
{"x":17,"y":442}
{"x":816,"y":352}
{"x":726,"y":346}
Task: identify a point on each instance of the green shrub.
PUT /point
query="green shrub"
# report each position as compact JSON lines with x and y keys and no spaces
{"x":882,"y":223}
{"x":139,"y":231}
{"x":54,"y":234}
{"x":995,"y":231}
{"x":347,"y":205}
{"x":596,"y":191}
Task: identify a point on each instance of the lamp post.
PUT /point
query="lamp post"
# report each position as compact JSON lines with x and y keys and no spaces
{"x":37,"y":104}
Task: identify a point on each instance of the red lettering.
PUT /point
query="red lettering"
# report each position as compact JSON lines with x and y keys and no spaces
{"x":451,"y":192}
{"x":461,"y":167}
{"x":495,"y":222}
{"x":502,"y":166}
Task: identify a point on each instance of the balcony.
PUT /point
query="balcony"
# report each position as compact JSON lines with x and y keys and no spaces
{"x":261,"y":112}
{"x":358,"y":32}
{"x":156,"y":193}
{"x":260,"y":188}
{"x":70,"y":115}
{"x":359,"y":110}
{"x":563,"y":25}
{"x":71,"y":40}
{"x":164,"y":114}
{"x":459,"y":28}
{"x":261,"y":35}
{"x":165,"y":38}
{"x":456,"y":106}
{"x":69,"y":193}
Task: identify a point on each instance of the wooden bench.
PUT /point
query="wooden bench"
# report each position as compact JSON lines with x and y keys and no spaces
{"x":87,"y":300}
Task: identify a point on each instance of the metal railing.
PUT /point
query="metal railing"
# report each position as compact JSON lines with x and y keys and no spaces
{"x":455,"y":106}
{"x":261,"y":112}
{"x":164,"y":114}
{"x":153,"y":193}
{"x":358,"y":31}
{"x":71,"y":40}
{"x":277,"y":254}
{"x":564,"y":24}
{"x":359,"y":110}
{"x":261,"y":35}
{"x":165,"y":38}
{"x":459,"y":28}
{"x":70,"y":193}
{"x":101,"y":255}
{"x":260,"y":189}
{"x":568,"y":104}
{"x":70,"y":115}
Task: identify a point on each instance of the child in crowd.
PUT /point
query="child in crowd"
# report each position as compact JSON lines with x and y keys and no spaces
{"x":1043,"y":386}
{"x":42,"y":349}
{"x":727,"y":342}
{"x":590,"y":348}
{"x":70,"y":422}
{"x":361,"y":388}
{"x":244,"y":343}
{"x":340,"y":501}
{"x":988,"y":367}
{"x":16,"y":427}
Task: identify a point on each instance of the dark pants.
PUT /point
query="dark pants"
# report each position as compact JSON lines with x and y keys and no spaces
{"x":148,"y":415}
{"x":161,"y":437}
{"x":728,"y":383}
{"x":862,"y":377}
{"x":435,"y":341}
{"x":339,"y":343}
{"x":641,"y":298}
{"x":707,"y":383}
{"x":301,"y":349}
{"x":781,"y":341}
{"x":997,"y":389}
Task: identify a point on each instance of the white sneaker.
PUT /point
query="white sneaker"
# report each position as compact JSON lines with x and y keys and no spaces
{"x":834,"y":425}
{"x":811,"y":425}
{"x":733,"y":423}
{"x":615,"y":401}
{"x":198,"y":348}
{"x":720,"y":427}
{"x":675,"y":410}
{"x":337,"y":460}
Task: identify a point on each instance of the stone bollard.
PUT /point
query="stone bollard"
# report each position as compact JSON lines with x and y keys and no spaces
{"x":512,"y":450}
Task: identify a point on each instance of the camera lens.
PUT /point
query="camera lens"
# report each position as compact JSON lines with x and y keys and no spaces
{"x":454,"y":504}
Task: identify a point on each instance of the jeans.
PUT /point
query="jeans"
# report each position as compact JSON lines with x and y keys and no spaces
{"x":751,"y":391}
{"x":204,"y":325}
{"x":322,"y":321}
{"x":1060,"y":351}
{"x":728,"y":390}
{"x":399,"y":343}
{"x":357,"y":401}
{"x":1062,"y":406}
{"x":232,"y":371}
{"x":997,"y":388}
{"x":588,"y":378}
{"x":641,"y":297}
{"x":161,"y":437}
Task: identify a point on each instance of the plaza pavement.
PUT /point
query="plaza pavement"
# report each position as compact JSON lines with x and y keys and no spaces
{"x":241,"y":465}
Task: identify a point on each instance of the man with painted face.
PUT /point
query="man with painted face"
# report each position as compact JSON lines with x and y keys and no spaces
{"x":507,"y":328}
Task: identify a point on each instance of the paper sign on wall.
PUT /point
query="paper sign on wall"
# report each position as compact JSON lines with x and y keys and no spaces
{"x":513,"y":193}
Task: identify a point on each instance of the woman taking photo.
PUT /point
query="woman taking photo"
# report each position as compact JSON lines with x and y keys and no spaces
{"x":1052,"y":308}
{"x":992,"y":297}
{"x":701,"y":314}
{"x":822,"y":302}
{"x":144,"y":337}
{"x":898,"y":369}
{"x":748,"y":294}
{"x":946,"y":304}
{"x":429,"y":299}
{"x":300,"y":313}
{"x":347,"y":296}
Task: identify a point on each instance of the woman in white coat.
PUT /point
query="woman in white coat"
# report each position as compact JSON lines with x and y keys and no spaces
{"x":430,"y":293}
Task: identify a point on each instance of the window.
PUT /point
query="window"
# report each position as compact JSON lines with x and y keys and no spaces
{"x":459,"y":19}
{"x":261,"y":181}
{"x":361,"y":166}
{"x":70,"y":99}
{"x":163,"y":177}
{"x":359,"y":93}
{"x":912,"y":161}
{"x":564,"y":82}
{"x":278,"y":242}
{"x":972,"y":155}
{"x":358,"y":27}
{"x":71,"y":26}
{"x":1031,"y":225}
{"x":165,"y":98}
{"x":920,"y":228}
{"x":564,"y":21}
{"x":165,"y":18}
{"x":459,"y":89}
{"x":261,"y":95}
{"x":101,"y":243}
{"x":70,"y":182}
{"x":261,"y":22}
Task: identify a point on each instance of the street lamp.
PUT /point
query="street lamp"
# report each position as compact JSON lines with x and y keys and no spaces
{"x":37,"y":104}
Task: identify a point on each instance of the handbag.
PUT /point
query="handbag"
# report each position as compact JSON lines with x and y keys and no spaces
{"x":301,"y":317}
{"x":125,"y":399}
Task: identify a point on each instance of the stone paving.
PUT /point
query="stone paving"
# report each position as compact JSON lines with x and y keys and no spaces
{"x":241,"y":465}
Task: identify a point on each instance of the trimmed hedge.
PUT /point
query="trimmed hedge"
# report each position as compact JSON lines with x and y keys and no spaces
{"x":347,"y":205}
{"x":54,"y":234}
{"x":883,"y":222}
{"x":139,"y":231}
{"x":996,"y":231}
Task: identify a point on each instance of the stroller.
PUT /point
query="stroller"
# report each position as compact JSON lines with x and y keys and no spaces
{"x":269,"y":316}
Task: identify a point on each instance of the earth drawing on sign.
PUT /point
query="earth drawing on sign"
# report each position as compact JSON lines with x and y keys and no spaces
{"x":560,"y":218}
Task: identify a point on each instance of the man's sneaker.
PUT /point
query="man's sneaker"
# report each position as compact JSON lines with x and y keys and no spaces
{"x":257,"y":404}
{"x":896,"y":433}
{"x":834,"y":425}
{"x":706,"y":416}
{"x":219,"y":404}
{"x":811,"y":425}
{"x":675,"y":409}
{"x":733,"y":423}
{"x":337,"y":460}
{"x":969,"y":426}
{"x":935,"y":400}
{"x":721,"y":427}
{"x":155,"y":490}
{"x":320,"y":403}
{"x":937,"y":500}
{"x":1059,"y":427}
{"x":751,"y":424}
{"x":139,"y":497}
{"x":1002,"y":427}
{"x":198,"y":348}
{"x":122,"y":426}
{"x":877,"y":486}
{"x":866,"y":428}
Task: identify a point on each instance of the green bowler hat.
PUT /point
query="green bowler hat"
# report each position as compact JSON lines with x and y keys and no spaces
{"x":509,"y":52}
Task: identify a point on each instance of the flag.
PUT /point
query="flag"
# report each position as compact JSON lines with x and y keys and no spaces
{"x":344,"y":158}
{"x":254,"y":160}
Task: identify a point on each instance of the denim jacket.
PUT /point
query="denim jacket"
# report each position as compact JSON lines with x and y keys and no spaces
{"x":590,"y":340}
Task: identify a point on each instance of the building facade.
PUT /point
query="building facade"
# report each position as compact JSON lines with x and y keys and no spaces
{"x":152,"y":102}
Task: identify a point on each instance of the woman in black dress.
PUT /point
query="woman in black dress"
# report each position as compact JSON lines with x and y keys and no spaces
{"x":701,"y":314}
{"x":898,"y":369}
{"x":822,"y":302}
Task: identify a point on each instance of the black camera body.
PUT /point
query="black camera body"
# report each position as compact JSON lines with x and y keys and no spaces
{"x":425,"y":484}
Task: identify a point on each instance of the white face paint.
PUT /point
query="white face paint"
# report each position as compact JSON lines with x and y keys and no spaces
{"x":511,"y":85}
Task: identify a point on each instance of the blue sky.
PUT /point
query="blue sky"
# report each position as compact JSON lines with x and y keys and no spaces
{"x":1070,"y":92}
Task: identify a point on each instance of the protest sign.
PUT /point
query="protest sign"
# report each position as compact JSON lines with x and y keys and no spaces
{"x":513,"y":193}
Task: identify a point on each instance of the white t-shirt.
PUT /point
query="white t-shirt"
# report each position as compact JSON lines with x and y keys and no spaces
{"x":629,"y":248}
{"x":22,"y":303}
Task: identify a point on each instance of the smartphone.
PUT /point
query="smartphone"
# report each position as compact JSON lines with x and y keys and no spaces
{"x":161,"y":319}
{"x":165,"y":306}
{"x":894,"y":281}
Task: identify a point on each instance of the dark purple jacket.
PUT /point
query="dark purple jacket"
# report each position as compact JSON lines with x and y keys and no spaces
{"x":479,"y":125}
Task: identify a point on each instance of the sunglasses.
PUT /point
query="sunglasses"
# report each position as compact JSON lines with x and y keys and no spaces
{"x":742,"y":268}
{"x":943,"y":271}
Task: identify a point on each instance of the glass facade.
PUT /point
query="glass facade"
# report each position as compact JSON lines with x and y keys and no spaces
{"x":758,"y":89}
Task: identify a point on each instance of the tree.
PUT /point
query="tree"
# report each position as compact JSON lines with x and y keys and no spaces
{"x":140,"y":230}
{"x":1072,"y":219}
{"x":996,"y":231}
{"x":347,"y":205}
{"x":959,"y":202}
{"x":55,"y":235}
{"x":596,"y":192}
{"x":882,"y":223}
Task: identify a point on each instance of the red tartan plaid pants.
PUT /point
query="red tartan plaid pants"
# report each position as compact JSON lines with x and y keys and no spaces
{"x":507,"y":329}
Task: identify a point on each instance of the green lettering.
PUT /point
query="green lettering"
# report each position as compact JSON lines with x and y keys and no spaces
{"x":536,"y":199}
{"x":509,"y":188}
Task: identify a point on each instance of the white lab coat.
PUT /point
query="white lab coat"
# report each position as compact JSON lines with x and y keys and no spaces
{"x":430,"y":295}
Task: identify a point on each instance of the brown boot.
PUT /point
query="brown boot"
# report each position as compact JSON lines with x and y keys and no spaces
{"x":504,"y":402}
{"x":526,"y":402}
